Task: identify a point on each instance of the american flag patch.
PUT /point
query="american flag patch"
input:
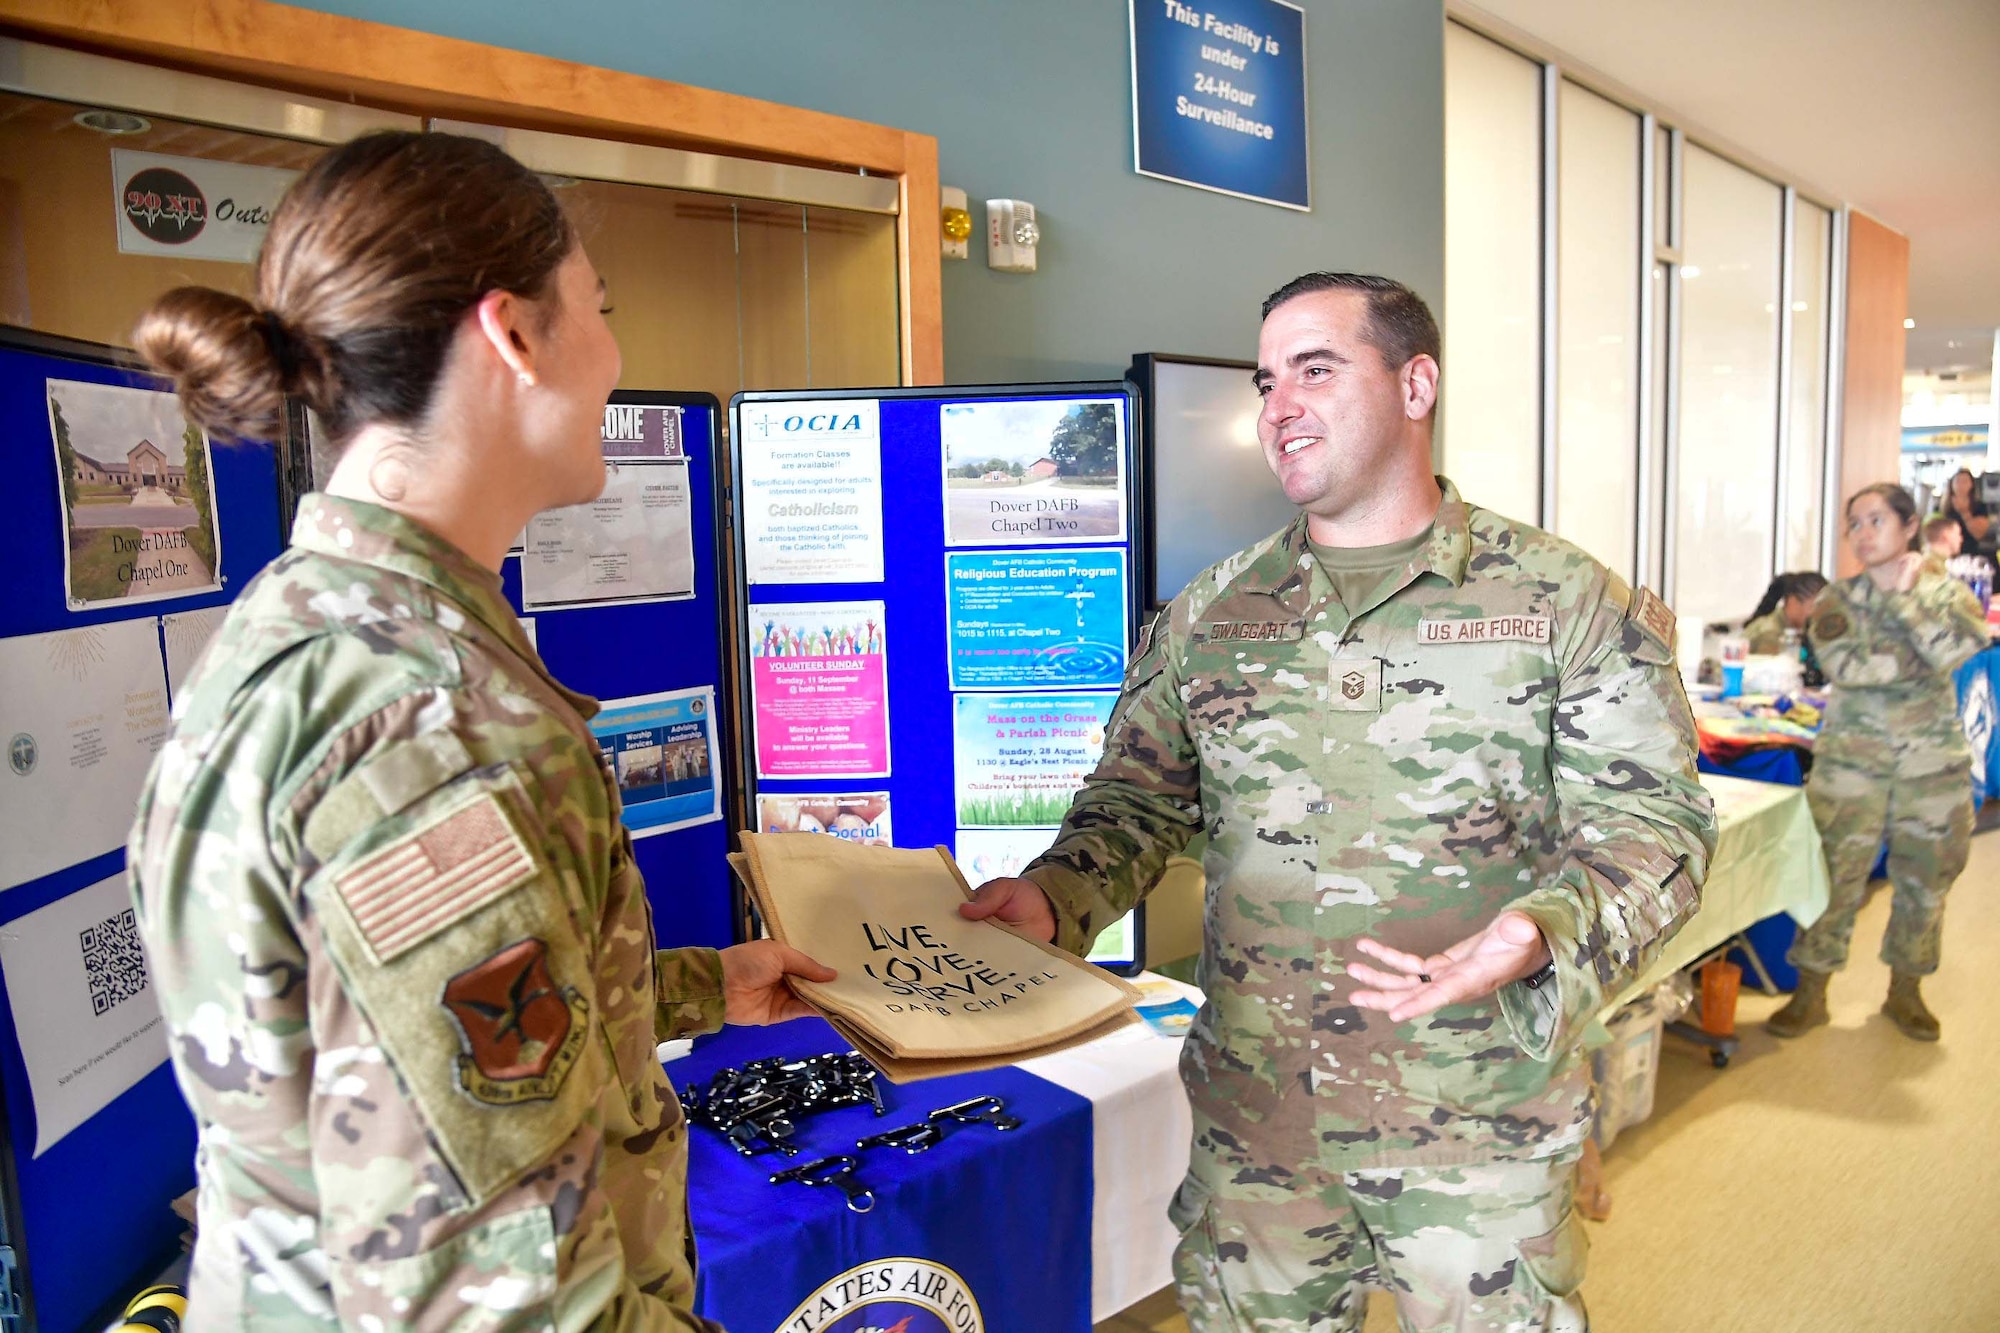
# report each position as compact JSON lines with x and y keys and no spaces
{"x":434,"y":878}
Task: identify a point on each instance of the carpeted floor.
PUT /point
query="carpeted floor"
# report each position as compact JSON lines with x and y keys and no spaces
{"x":1845,"y":1182}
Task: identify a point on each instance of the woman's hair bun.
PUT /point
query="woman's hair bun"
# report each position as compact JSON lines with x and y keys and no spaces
{"x":231,"y":364}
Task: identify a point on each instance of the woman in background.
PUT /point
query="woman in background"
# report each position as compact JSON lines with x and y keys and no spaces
{"x":1786,"y":604}
{"x":1891,"y":758}
{"x":1974,"y":519}
{"x":404,"y":954}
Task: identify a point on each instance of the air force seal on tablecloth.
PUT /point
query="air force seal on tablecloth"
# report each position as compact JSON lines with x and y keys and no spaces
{"x":905,"y":1295}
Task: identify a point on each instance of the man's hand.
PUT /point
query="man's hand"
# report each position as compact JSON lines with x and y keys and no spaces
{"x":1019,"y":903}
{"x":753,"y":983}
{"x":1407,"y":986}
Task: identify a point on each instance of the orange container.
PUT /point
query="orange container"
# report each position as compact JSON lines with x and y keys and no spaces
{"x":1720,"y":981}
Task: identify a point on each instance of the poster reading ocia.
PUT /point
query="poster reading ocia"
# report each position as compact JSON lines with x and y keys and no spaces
{"x":662,"y":747}
{"x":1034,"y":472}
{"x":812,"y":491}
{"x":1023,"y":620}
{"x":138,"y":506}
{"x":1018,"y":759}
{"x":819,"y":688}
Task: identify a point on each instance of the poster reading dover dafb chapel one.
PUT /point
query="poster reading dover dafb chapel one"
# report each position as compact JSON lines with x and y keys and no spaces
{"x":138,"y":508}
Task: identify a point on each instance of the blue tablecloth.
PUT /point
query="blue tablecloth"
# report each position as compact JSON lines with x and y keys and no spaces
{"x":1007,"y":1213}
{"x":1779,"y":763}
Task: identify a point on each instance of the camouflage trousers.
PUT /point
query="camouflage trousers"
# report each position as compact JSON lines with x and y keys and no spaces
{"x":1928,"y":820}
{"x":1475,"y":1249}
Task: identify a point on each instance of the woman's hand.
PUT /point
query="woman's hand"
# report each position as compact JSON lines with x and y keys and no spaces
{"x":754,"y":992}
{"x":1906,"y":576}
{"x":1899,"y":574}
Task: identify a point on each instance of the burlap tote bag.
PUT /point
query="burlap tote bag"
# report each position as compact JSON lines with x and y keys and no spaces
{"x":922,"y":991}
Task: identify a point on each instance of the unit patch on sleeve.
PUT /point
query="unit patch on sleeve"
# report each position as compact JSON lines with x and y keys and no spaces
{"x":1484,"y":629}
{"x":434,"y":877}
{"x":1828,"y":626}
{"x":1654,"y":617}
{"x":522,"y":1031}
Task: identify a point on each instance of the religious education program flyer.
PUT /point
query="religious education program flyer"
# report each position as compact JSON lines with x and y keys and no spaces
{"x":1026,"y":620}
{"x":1018,"y":759}
{"x":819,"y":690}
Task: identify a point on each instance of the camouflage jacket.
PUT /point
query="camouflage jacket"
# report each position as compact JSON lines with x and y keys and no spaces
{"x":1889,"y":657}
{"x":1767,"y":632}
{"x":407,"y":965}
{"x":1502,"y":727}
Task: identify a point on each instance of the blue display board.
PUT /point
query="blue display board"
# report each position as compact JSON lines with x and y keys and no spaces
{"x":88,"y":1218}
{"x":1219,"y":97}
{"x":637,"y":649}
{"x":938,"y":588}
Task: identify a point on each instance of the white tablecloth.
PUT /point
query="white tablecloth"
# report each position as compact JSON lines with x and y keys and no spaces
{"x":1140,"y":1130}
{"x":1767,"y":861}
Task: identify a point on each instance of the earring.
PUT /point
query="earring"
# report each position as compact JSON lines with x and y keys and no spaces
{"x":525,"y":380}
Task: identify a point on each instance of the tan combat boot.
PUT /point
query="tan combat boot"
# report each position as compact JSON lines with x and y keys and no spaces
{"x":1905,"y":1007}
{"x":1806,"y":1009}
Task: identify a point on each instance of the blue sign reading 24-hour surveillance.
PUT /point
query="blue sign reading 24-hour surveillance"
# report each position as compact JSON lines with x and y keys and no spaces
{"x":1219,"y":96}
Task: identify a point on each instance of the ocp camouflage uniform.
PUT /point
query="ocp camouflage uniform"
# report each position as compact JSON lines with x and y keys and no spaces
{"x":1500,"y":726}
{"x":1891,"y":758}
{"x":407,"y":965}
{"x":1767,"y":632}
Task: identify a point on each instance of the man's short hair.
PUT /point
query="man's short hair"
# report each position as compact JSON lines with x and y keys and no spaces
{"x":1400,"y":325}
{"x":1936,"y":526}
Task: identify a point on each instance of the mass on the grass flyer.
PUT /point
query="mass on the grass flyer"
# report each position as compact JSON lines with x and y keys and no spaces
{"x":1033,"y":472}
{"x":662,"y":747}
{"x":1018,"y":759}
{"x":1024,"y":620}
{"x":138,"y":502}
{"x":819,"y":689}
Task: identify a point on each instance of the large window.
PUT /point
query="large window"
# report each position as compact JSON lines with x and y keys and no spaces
{"x":1597,"y":328}
{"x":1726,"y":460}
{"x":1661,"y":396}
{"x":1491,"y":386}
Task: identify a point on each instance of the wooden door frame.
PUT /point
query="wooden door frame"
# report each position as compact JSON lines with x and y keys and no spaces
{"x":346,"y":59}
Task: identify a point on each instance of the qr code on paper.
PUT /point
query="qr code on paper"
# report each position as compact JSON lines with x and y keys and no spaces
{"x":112,"y":961}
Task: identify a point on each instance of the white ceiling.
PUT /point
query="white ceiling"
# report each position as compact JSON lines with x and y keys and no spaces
{"x":1892,"y":107}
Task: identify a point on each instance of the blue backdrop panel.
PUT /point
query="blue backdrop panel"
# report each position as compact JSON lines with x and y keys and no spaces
{"x":615,"y":652}
{"x":1008,"y":1212}
{"x":89,"y":1218}
{"x":922,"y":808}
